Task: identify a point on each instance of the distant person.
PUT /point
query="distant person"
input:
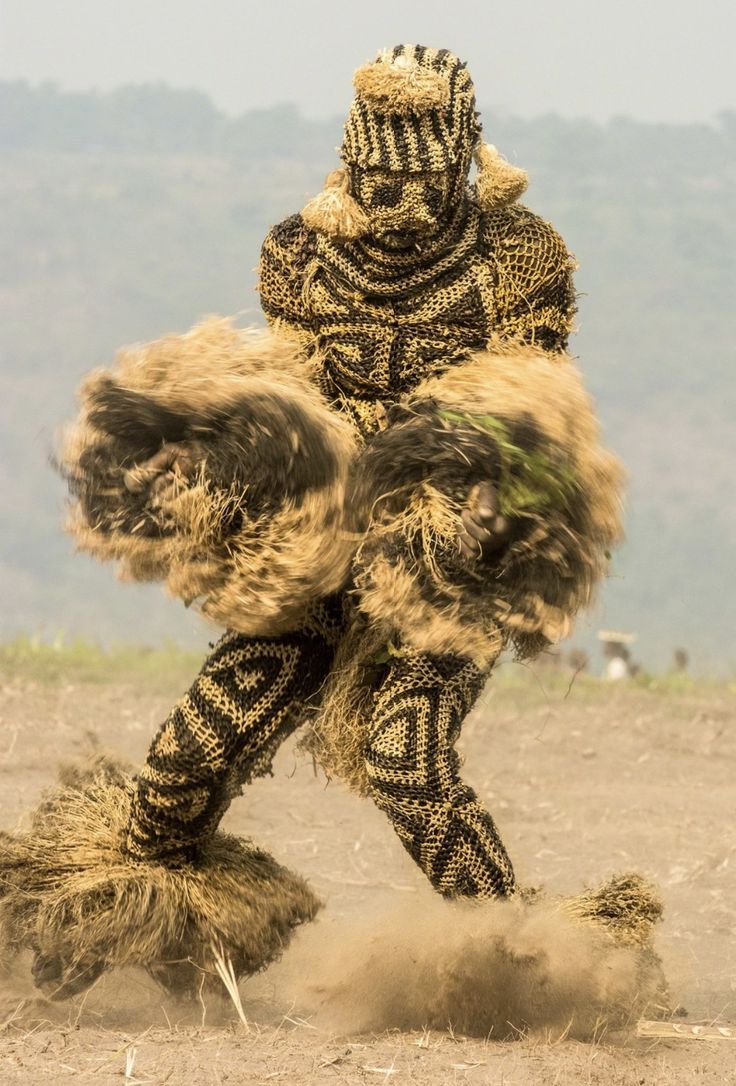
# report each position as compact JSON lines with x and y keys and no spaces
{"x":618,"y":666}
{"x":680,"y":661}
{"x":617,"y":655}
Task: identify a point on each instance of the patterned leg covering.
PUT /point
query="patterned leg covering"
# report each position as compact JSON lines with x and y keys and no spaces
{"x":246,"y":700}
{"x":413,"y":772}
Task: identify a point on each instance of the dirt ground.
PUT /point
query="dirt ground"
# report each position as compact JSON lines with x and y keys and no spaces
{"x":582,"y":784}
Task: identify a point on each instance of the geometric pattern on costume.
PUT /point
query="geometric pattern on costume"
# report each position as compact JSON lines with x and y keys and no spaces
{"x":382,"y":321}
{"x":413,"y":775}
{"x":377,"y":318}
{"x":440,"y":137}
{"x":250,"y":694}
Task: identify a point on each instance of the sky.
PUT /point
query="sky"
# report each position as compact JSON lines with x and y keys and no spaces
{"x":653,"y":60}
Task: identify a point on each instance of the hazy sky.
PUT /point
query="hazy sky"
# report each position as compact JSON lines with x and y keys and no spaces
{"x":667,"y":60}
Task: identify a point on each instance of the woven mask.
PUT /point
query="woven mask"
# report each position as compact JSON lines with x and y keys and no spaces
{"x":401,"y":206}
{"x":410,"y":137}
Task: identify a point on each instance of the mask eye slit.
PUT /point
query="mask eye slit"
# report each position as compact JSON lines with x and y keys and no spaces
{"x":434,"y":198}
{"x":386,"y":194}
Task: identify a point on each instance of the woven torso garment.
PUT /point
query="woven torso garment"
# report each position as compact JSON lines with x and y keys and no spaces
{"x":381,"y":320}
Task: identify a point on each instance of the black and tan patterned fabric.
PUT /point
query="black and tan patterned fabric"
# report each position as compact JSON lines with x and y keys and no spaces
{"x":413,"y":769}
{"x":249,"y":696}
{"x":414,"y":111}
{"x":381,"y":320}
{"x":438,"y":275}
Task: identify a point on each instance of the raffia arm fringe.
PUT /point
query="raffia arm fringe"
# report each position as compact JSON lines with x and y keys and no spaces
{"x":522,"y":418}
{"x":256,"y":533}
{"x":70,"y":893}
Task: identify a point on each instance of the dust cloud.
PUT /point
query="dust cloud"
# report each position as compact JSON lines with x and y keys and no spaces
{"x":486,"y":969}
{"x":498,"y":969}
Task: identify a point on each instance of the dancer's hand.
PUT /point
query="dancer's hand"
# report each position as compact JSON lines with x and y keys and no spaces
{"x":486,"y":532}
{"x":172,"y":465}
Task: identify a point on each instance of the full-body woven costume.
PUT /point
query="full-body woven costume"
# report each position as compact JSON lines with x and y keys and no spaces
{"x":381,"y":319}
{"x":431,"y":316}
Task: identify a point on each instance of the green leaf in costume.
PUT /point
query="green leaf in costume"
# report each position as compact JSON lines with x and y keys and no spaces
{"x":531,"y":481}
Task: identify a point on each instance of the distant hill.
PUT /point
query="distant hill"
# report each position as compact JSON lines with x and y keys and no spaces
{"x":129,"y":214}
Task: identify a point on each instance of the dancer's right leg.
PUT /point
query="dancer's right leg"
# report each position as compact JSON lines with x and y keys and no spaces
{"x":248,"y":697}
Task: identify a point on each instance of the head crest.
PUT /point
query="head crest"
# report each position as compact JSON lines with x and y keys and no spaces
{"x":401,"y":85}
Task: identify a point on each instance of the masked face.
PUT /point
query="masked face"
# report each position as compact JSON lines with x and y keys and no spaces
{"x":402,"y":208}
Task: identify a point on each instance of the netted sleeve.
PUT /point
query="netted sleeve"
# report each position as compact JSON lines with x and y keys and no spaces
{"x":534,"y":292}
{"x":284,"y":256}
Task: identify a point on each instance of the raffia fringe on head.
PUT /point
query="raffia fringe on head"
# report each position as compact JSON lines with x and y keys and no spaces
{"x":400,"y":85}
{"x":335,"y":212}
{"x":497,"y":183}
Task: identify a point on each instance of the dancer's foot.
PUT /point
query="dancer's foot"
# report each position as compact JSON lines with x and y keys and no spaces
{"x":182,"y":980}
{"x":59,"y":980}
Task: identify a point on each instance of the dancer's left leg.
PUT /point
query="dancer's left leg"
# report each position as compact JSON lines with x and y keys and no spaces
{"x":413,"y":769}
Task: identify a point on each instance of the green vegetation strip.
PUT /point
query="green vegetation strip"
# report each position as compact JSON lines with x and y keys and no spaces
{"x":83,"y":660}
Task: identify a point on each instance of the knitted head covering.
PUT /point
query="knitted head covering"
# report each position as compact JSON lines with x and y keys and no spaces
{"x":413,"y":112}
